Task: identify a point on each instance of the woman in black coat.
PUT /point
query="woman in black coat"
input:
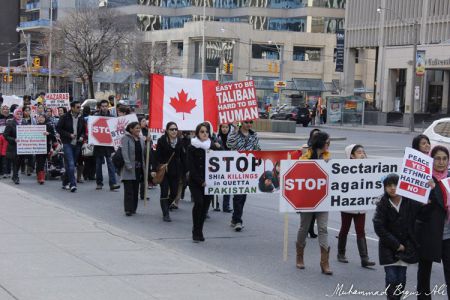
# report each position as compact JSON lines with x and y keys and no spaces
{"x":196,"y":166}
{"x":393,"y":223}
{"x":433,"y":228}
{"x":42,"y":158}
{"x":169,"y":147}
{"x":10,"y":135}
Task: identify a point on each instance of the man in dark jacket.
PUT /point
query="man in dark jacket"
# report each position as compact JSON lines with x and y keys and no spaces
{"x":102,"y":153}
{"x":72,"y":130}
{"x":240,"y":140}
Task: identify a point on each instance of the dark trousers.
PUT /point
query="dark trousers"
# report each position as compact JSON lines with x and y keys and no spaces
{"x":346,"y":221}
{"x":89,"y":168}
{"x":27,"y":161}
{"x":424,"y":272}
{"x":99,"y":160}
{"x":5,"y":166}
{"x":131,"y":192}
{"x":395,"y":281}
{"x":16,"y":161}
{"x":40,"y":162}
{"x":169,"y":188}
{"x":238,"y":206}
{"x":201,"y":206}
{"x":226,"y":202}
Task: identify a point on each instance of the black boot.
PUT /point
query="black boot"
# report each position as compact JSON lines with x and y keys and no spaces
{"x":342,"y":242}
{"x":362,"y":247}
{"x":311,"y":228}
{"x":165,"y":210}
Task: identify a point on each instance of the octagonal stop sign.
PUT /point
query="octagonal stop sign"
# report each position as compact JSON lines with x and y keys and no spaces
{"x":100,"y":131}
{"x":305,"y":185}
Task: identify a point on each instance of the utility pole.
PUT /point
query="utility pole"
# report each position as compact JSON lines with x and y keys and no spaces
{"x":9,"y":73}
{"x":249,"y":72}
{"x":28,"y":84}
{"x":413,"y":76}
{"x":49,"y":88}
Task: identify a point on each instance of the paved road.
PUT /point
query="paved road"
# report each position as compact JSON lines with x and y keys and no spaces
{"x":256,"y":252}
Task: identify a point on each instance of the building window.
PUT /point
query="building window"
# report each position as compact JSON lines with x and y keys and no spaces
{"x":329,"y":3}
{"x":356,"y":56}
{"x":326,"y":25}
{"x":179,"y":48}
{"x":287,"y":24}
{"x":265,"y":52}
{"x":334,"y":55}
{"x":306,"y":54}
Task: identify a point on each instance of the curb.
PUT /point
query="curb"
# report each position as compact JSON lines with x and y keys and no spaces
{"x":294,"y":138}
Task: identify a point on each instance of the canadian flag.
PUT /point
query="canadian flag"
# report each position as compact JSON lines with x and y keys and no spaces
{"x":186,"y":102}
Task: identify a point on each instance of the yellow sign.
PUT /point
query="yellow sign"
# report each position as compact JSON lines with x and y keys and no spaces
{"x":36,"y":62}
{"x":280,"y":84}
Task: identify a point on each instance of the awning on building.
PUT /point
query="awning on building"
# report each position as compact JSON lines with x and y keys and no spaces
{"x":358,"y":89}
{"x":117,"y":77}
{"x":309,"y":85}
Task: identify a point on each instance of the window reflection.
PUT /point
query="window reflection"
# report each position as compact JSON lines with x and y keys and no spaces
{"x":326,"y":25}
{"x":329,"y":3}
{"x":306,"y":54}
{"x":262,"y":51}
{"x":224,"y":3}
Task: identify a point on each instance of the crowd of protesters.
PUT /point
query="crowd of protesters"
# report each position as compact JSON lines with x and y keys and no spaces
{"x":409,"y":232}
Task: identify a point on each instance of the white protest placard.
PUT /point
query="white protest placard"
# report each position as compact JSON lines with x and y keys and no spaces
{"x":117,"y":127}
{"x":55,"y":100}
{"x":31,"y":139}
{"x":98,"y":131}
{"x":416,"y":171}
{"x":237,"y":101}
{"x":155,"y":134}
{"x":248,"y":172}
{"x":336,"y":185}
{"x":11,"y":100}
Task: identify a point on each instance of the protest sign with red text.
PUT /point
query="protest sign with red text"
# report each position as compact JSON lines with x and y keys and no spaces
{"x":237,"y":102}
{"x":55,"y":100}
{"x":416,"y":171}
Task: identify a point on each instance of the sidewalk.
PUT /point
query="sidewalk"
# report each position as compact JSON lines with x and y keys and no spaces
{"x":51,"y":252}
{"x":290,"y":136}
{"x":374,"y":128}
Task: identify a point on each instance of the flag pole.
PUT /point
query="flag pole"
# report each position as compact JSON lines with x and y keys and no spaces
{"x":147,"y":142}
{"x":286,"y":228}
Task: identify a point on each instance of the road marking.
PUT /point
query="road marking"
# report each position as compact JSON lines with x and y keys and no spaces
{"x":367,"y":237}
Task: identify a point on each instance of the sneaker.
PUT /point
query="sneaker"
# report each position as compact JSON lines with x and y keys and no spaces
{"x":99,"y":187}
{"x":73,"y":189}
{"x":238,"y":227}
{"x":66,"y":187}
{"x":114,"y":187}
{"x":232,"y":224}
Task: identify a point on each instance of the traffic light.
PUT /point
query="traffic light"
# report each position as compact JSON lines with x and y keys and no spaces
{"x":5,"y":78}
{"x":225,"y":68}
{"x":230,"y":68}
{"x":276,"y":89}
{"x":116,"y":66}
{"x":36,"y":62}
{"x":270,"y":67}
{"x":275,"y":69}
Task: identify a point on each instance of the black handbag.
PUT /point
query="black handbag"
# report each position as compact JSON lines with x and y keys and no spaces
{"x":117,"y":159}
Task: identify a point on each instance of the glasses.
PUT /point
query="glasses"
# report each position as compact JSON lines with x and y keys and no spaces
{"x":248,"y":122}
{"x":173,"y":129}
{"x":204,"y":131}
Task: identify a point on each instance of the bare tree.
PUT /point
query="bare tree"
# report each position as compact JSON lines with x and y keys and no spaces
{"x":147,"y":58}
{"x":85,"y":40}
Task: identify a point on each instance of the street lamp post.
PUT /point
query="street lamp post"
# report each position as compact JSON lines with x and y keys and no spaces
{"x":415,"y":26}
{"x":49,"y":87}
{"x":27,"y":39}
{"x":280,"y":56}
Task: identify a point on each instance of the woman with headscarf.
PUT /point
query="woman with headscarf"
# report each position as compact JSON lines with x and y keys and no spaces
{"x":10,"y":135}
{"x":41,"y":159}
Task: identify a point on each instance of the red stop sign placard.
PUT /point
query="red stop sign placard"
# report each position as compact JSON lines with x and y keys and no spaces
{"x":100,"y":131}
{"x":305,"y":185}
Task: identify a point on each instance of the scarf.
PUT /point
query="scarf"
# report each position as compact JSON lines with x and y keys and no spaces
{"x":309,"y":154}
{"x":446,"y":196}
{"x":18,"y":118}
{"x":195,"y":142}
{"x":173,"y":143}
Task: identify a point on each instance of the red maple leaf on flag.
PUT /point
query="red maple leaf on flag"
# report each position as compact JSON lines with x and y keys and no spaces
{"x":182,"y":104}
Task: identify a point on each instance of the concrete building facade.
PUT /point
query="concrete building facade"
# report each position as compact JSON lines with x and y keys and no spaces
{"x":387,"y":27}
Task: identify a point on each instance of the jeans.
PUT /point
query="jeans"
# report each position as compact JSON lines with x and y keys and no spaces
{"x":346,"y":221}
{"x":71,"y":153}
{"x":99,"y":159}
{"x":322,"y":223}
{"x":395,"y":281}
{"x":424,"y":272}
{"x":238,"y":206}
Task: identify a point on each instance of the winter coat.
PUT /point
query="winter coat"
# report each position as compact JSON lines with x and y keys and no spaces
{"x":10,"y":134}
{"x":238,"y":142}
{"x":3,"y":145}
{"x":163,"y":153}
{"x":394,"y":228}
{"x":103,"y":150}
{"x":128,"y":172}
{"x":196,"y":164}
{"x":429,"y":226}
{"x":52,"y":134}
{"x":65,"y":128}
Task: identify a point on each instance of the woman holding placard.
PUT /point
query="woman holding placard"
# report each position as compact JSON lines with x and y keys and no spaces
{"x":358,"y":217}
{"x":320,"y":143}
{"x":10,"y":135}
{"x":41,"y":159}
{"x":433,"y":226}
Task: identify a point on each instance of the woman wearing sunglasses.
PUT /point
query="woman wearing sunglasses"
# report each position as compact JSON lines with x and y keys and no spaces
{"x":169,"y":151}
{"x":196,"y":166}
